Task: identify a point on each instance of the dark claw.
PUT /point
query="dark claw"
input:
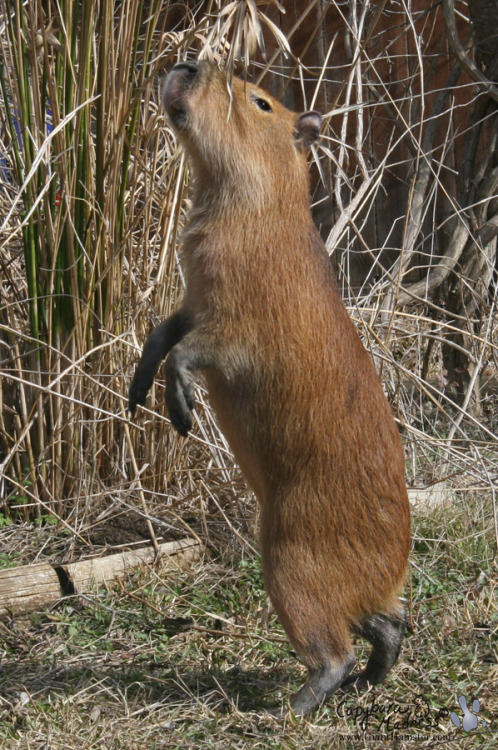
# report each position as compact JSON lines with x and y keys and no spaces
{"x":137,"y":395}
{"x":181,"y":422}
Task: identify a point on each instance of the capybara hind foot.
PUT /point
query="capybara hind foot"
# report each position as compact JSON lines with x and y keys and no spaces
{"x":321,"y":683}
{"x":385,"y":633}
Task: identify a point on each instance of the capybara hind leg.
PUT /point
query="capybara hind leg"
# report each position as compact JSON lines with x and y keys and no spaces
{"x":321,"y":683}
{"x":385,"y":633}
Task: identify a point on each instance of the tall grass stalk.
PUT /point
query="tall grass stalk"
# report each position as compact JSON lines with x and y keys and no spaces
{"x":72,"y":80}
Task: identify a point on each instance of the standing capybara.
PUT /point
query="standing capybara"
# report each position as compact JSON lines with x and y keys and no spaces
{"x":294,"y":390}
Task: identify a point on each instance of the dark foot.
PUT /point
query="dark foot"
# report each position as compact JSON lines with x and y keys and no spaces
{"x":320,"y":685}
{"x":385,"y":633}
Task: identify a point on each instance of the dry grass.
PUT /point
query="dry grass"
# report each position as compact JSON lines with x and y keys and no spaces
{"x":193,"y":660}
{"x":90,"y":215}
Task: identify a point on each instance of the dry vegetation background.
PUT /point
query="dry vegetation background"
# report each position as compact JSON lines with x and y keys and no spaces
{"x":93,"y":197}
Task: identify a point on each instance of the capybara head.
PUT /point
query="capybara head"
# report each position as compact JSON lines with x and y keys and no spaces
{"x":237,"y":135}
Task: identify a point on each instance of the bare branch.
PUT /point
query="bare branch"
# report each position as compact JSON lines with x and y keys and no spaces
{"x":484,"y":83}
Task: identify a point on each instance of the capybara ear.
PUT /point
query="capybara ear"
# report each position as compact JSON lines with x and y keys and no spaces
{"x":308,"y":127}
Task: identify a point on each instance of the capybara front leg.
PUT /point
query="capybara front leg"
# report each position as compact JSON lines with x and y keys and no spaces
{"x":161,"y":340}
{"x":188,"y":356}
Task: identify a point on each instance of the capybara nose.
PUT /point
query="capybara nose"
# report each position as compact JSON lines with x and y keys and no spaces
{"x":180,"y":78}
{"x":190,"y":68}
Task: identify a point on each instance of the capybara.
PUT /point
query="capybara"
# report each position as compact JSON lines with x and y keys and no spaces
{"x":294,"y":390}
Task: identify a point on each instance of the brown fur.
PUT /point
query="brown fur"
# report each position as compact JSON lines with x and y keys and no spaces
{"x":294,"y":390}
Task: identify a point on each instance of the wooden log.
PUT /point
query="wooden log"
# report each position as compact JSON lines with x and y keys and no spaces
{"x":85,"y":574}
{"x":426,"y":500}
{"x":32,"y":587}
{"x":28,"y":588}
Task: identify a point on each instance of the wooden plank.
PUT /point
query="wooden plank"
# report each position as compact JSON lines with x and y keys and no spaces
{"x":32,"y":587}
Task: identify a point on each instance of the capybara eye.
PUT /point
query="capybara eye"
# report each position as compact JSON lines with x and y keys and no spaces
{"x":263,"y":104}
